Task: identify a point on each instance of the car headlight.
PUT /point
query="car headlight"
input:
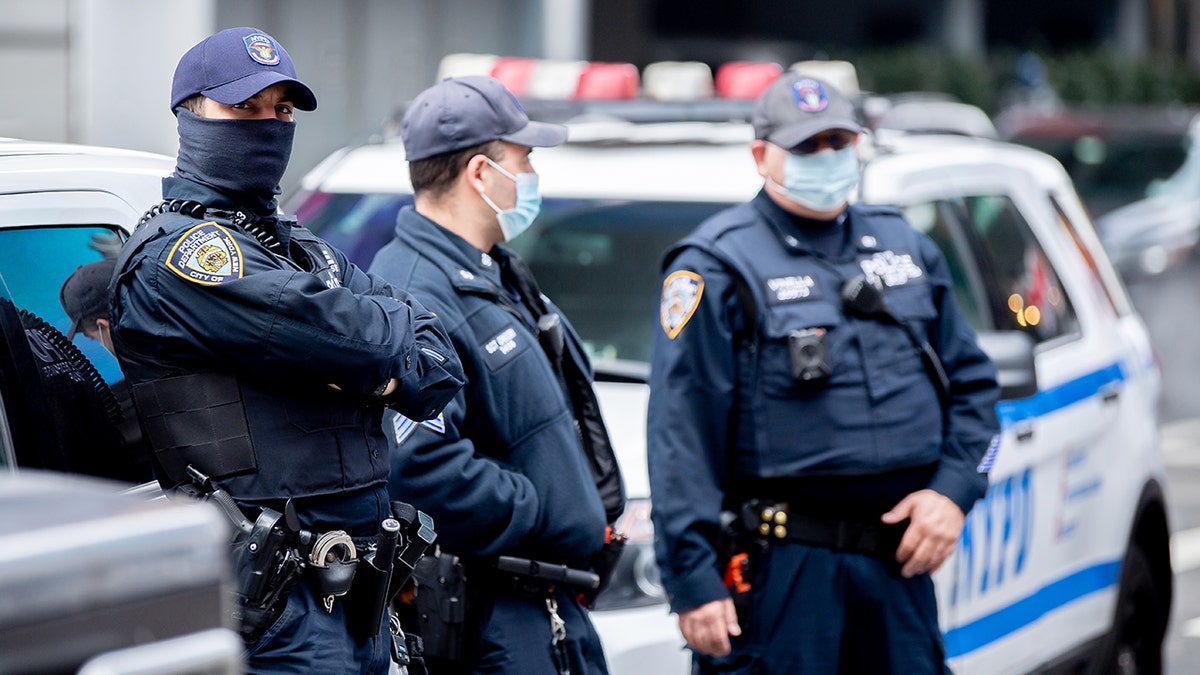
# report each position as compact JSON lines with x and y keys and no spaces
{"x":635,"y":580}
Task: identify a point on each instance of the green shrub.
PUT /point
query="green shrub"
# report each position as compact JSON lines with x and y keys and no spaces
{"x":1093,"y":77}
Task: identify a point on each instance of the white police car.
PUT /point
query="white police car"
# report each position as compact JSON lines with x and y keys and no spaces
{"x":1065,"y":562}
{"x":91,"y":580}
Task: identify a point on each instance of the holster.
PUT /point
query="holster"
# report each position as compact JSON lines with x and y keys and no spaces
{"x":440,"y":601}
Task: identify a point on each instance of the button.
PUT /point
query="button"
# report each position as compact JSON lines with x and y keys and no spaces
{"x":780,"y":532}
{"x":781,"y":517}
{"x":764,"y":529}
{"x":868,"y":241}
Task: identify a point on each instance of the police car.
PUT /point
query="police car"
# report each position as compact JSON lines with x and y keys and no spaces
{"x":1066,"y":561}
{"x":91,"y":580}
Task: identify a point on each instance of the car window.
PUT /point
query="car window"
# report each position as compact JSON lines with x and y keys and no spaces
{"x":1025,"y":291}
{"x":600,"y":261}
{"x":58,"y":393}
{"x":357,"y":224}
{"x":58,"y":251}
{"x":945,"y":222}
{"x":1002,"y":278}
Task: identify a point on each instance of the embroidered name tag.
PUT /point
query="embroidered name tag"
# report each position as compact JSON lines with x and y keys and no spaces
{"x":503,"y":347}
{"x":206,"y":254}
{"x":795,"y":288}
{"x":891,"y":268}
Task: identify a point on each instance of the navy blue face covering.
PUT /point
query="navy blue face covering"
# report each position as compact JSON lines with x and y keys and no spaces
{"x":244,"y":159}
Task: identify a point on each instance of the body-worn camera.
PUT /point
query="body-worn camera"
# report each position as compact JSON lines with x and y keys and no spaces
{"x":809,"y":355}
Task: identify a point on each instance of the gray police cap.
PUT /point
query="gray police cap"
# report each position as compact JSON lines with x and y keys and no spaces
{"x":461,"y":112}
{"x":796,"y":107}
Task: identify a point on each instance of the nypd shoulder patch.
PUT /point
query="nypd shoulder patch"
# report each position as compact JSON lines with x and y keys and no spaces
{"x":206,"y":254}
{"x":681,"y":295}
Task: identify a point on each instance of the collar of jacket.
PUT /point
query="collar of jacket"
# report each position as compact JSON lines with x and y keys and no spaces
{"x":782,"y":227}
{"x":469,"y":269}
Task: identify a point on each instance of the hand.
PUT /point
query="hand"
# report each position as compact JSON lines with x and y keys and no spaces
{"x":707,"y":628}
{"x":935,"y":522}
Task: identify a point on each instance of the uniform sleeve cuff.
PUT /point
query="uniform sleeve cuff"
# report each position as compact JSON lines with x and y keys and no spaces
{"x":699,"y":588}
{"x":964,"y":487}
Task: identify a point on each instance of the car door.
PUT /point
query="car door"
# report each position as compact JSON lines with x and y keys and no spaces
{"x":1035,"y":570}
{"x":60,"y":407}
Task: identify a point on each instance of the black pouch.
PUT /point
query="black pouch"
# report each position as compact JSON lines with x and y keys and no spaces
{"x":196,"y":419}
{"x":440,"y":601}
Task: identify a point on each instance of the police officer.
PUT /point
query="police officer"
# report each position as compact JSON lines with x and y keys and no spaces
{"x":261,"y":358}
{"x":504,"y":471}
{"x":814,"y":380}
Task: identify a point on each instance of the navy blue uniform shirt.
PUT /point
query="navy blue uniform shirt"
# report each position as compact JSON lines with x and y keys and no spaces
{"x":727,"y":416}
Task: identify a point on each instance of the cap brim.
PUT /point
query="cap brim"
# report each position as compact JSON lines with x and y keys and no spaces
{"x":73,"y":329}
{"x":538,"y":135}
{"x":245,"y":88}
{"x":790,"y":136}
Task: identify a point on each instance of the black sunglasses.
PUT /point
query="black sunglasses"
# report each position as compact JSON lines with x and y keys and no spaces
{"x":830,"y":139}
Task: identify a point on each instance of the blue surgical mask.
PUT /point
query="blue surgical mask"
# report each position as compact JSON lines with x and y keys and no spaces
{"x":821,"y":181}
{"x":516,"y":220}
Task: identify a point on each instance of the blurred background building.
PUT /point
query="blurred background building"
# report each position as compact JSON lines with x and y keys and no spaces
{"x":98,"y":71}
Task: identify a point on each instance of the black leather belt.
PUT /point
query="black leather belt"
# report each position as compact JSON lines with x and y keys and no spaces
{"x":772,"y":521}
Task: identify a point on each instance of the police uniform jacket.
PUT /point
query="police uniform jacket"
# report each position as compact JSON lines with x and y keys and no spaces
{"x":201,"y":294}
{"x":727,"y":416}
{"x":502,"y":471}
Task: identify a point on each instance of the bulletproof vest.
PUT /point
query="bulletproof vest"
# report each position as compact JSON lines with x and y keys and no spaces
{"x":872,"y":407}
{"x":261,"y":440}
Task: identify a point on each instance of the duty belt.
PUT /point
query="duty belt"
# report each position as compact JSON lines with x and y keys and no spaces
{"x":773,"y":521}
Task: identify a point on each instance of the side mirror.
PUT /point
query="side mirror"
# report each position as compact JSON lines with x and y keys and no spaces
{"x":1012,"y":352}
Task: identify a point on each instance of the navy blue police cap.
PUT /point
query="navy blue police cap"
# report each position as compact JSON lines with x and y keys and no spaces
{"x":234,"y":65}
{"x":461,"y":112}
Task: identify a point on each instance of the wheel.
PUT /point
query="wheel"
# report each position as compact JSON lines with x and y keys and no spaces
{"x":1140,"y":622}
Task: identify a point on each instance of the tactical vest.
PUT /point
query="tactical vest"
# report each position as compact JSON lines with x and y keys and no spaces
{"x":261,"y":440}
{"x":876,"y":409}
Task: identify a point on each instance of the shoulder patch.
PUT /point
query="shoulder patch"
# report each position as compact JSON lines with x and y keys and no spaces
{"x":206,"y":254}
{"x":681,"y":295}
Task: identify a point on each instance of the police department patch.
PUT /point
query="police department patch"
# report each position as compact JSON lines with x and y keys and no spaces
{"x":810,"y":95}
{"x":262,"y":49}
{"x":206,"y":254}
{"x":680,"y":297}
